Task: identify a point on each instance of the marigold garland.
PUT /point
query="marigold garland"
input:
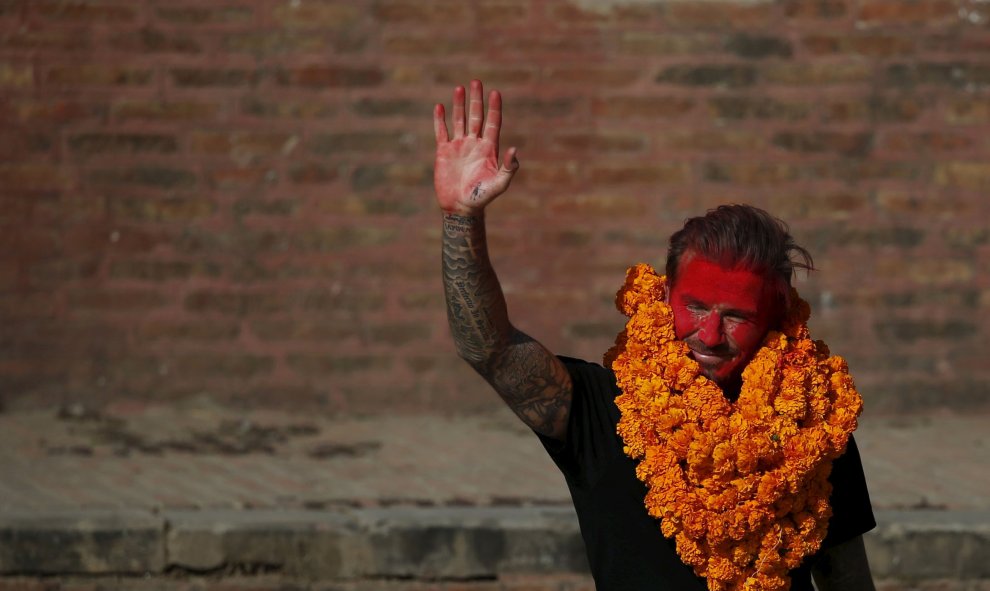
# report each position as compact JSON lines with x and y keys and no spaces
{"x":742,"y":487}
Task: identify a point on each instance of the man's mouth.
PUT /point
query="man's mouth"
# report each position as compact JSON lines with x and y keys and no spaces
{"x":709,"y":357}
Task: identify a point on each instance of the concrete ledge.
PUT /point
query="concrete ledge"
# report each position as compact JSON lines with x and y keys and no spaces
{"x":304,"y":543}
{"x":930,"y":545}
{"x":410,"y":543}
{"x":92,"y":542}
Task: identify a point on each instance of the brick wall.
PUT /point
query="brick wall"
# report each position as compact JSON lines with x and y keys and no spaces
{"x":234,"y":198}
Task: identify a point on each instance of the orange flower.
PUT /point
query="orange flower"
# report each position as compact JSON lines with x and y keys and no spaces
{"x":742,"y":487}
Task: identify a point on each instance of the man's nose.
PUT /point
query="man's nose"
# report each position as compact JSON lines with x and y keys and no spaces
{"x":710,"y":332}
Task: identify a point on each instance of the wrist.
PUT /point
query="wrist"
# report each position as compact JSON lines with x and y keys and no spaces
{"x":464,"y":213}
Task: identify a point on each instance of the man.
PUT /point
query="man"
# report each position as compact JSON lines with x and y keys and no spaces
{"x":729,"y":275}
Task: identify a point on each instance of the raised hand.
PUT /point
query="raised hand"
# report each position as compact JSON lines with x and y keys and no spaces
{"x":468,"y":174}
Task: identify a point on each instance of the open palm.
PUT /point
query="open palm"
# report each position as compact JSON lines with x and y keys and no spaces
{"x":467,"y":173}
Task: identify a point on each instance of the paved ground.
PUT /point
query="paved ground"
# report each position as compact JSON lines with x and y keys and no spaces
{"x":204,"y":489}
{"x":200,"y":456}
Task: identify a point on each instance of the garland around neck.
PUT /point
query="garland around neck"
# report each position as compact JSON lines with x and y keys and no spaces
{"x":742,"y":486}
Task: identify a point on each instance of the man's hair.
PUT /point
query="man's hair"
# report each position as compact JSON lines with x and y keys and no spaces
{"x":740,"y":236}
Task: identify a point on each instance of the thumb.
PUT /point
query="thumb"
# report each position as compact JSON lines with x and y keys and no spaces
{"x":510,"y":164}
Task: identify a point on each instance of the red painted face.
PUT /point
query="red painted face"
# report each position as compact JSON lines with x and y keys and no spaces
{"x":722,"y":314}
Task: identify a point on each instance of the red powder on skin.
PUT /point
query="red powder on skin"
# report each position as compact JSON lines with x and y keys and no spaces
{"x":722,"y":313}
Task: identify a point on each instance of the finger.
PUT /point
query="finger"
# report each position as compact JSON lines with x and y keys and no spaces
{"x":509,"y":161}
{"x":493,"y":122}
{"x":476,"y":109}
{"x":458,"y":113}
{"x":505,"y":172}
{"x":439,"y":124}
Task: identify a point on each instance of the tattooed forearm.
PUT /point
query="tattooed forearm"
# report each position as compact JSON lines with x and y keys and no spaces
{"x":526,"y":375}
{"x":475,"y":304}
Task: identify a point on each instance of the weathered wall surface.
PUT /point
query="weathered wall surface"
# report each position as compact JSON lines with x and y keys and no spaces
{"x":234,"y":198}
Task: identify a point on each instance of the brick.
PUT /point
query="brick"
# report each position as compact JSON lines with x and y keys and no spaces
{"x":371,"y":176}
{"x":623,"y":107}
{"x":730,"y":75}
{"x":758,"y":46}
{"x":146,"y":270}
{"x":397,"y":334}
{"x":236,"y":303}
{"x":336,"y":365}
{"x":331,"y":76}
{"x":122,"y":143}
{"x":875,"y":45}
{"x":321,"y":14}
{"x":881,"y":109}
{"x":243,"y":147}
{"x":749,"y":107}
{"x":602,"y":14}
{"x":952,"y":74}
{"x":375,"y":108}
{"x":419,"y":11}
{"x":161,"y":209}
{"x":18,"y":145}
{"x":114,"y":300}
{"x":620,"y":174}
{"x":598,"y":142}
{"x":343,"y":238}
{"x":940,"y":272}
{"x":144,"y":176}
{"x":966,"y":238}
{"x":974,"y":176}
{"x":719,"y":14}
{"x":82,"y":11}
{"x":896,"y":331}
{"x":213,"y":77}
{"x":208,"y":364}
{"x":591,"y":206}
{"x":409,"y":43}
{"x":200,"y":330}
{"x":48,"y":273}
{"x":612,"y":77}
{"x":288,"y":109}
{"x":313,"y":173}
{"x":494,"y":76}
{"x":48,"y":39}
{"x":51,"y":111}
{"x":816,"y":9}
{"x":367,"y":141}
{"x":968,"y":110}
{"x":152,"y":41}
{"x":92,"y":238}
{"x":669,"y":44}
{"x":817,"y":73}
{"x":854,"y":144}
{"x":265,"y":207}
{"x":901,"y":237}
{"x":927,"y":12}
{"x":170,"y":111}
{"x":98,"y":75}
{"x":310,"y":330}
{"x":16,"y":76}
{"x":750,"y":173}
{"x":200,"y":15}
{"x":711,"y":140}
{"x":269,"y":43}
{"x":933,"y":141}
{"x":30,"y":175}
{"x":503,"y":11}
{"x":390,"y":204}
{"x":524,"y":107}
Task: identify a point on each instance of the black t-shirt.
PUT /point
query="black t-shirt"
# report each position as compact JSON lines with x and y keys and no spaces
{"x":625,"y":547}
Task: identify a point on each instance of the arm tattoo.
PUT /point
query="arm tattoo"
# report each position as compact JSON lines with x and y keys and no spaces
{"x":533,"y":382}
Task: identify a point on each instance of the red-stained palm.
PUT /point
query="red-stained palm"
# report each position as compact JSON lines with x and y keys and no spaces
{"x":467,"y":174}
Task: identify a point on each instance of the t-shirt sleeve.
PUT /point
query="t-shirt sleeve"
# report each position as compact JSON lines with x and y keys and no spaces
{"x":591,"y":440}
{"x":852,"y":512}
